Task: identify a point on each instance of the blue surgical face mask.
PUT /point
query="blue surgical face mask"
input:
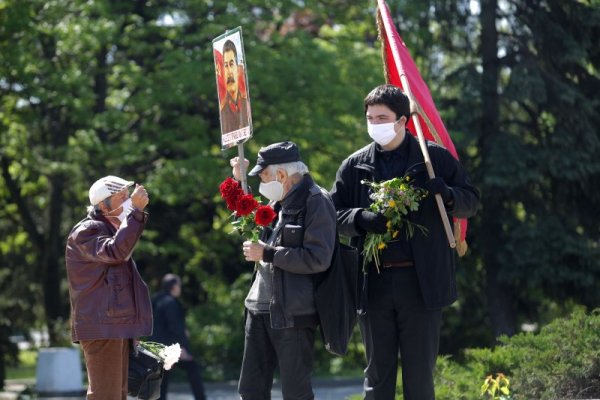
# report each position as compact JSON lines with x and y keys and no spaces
{"x":271,"y":190}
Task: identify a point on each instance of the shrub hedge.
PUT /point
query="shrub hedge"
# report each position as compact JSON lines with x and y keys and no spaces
{"x":562,"y":361}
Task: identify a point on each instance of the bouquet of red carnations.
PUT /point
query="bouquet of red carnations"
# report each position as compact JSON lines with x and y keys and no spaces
{"x":249,"y":216}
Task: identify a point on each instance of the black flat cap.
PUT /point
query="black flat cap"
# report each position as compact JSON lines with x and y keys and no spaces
{"x":276,"y":153}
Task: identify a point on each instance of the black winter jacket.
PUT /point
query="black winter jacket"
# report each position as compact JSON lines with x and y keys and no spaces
{"x":294,"y":266}
{"x":433,"y":258}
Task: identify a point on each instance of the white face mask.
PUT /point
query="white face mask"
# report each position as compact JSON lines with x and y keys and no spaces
{"x":382,"y":134}
{"x":126,"y":206}
{"x":271,"y":190}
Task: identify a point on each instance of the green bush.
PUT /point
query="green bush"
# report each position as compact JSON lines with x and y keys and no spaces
{"x":218,"y":328}
{"x":561,"y":361}
{"x":454,"y":381}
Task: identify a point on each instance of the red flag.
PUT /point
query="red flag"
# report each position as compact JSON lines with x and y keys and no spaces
{"x":397,"y":62}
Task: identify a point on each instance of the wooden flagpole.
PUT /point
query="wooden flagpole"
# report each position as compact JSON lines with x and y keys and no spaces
{"x":417,"y":123}
{"x":242,"y":158}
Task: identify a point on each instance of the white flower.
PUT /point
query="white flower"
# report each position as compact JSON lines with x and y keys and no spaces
{"x":170,"y":355}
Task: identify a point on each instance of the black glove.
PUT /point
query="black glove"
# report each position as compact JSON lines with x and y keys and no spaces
{"x":437,"y":185}
{"x":371,"y":222}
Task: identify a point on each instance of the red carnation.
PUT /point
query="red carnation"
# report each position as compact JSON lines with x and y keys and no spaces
{"x":232,"y":200}
{"x":230,"y":188}
{"x":245,"y":205}
{"x":264,"y":215}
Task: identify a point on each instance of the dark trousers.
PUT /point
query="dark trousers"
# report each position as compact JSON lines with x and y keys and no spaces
{"x":397,"y":320}
{"x":264,"y":348}
{"x":192,"y":368}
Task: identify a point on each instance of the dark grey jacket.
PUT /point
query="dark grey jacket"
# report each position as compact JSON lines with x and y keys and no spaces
{"x":433,"y":258}
{"x":294,"y":266}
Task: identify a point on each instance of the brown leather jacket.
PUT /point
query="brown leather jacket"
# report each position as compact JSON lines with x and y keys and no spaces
{"x":109,"y":299}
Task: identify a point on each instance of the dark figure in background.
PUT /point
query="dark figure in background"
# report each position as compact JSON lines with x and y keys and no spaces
{"x":404,"y":302}
{"x":169,"y":328}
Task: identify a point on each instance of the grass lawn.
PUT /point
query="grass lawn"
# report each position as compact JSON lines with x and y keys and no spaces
{"x":26,"y":367}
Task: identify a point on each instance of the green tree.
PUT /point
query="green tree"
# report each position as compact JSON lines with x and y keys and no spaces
{"x":514,"y":82}
{"x":128,"y":88}
{"x":538,"y":140}
{"x":106,"y":87}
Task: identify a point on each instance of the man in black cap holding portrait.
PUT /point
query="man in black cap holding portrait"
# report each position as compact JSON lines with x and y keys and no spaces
{"x":281,"y":317}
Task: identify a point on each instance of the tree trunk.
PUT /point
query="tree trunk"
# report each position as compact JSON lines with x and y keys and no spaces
{"x":53,"y":299}
{"x":2,"y":372}
{"x":499,"y":295}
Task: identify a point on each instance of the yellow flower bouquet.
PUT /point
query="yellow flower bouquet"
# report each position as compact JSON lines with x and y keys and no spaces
{"x":393,"y":198}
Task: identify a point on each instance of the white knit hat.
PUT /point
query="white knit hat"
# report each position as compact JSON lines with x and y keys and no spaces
{"x":106,"y":187}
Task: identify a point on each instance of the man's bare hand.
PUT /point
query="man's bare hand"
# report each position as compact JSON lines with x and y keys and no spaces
{"x":235,"y":165}
{"x":139,"y":197}
{"x":253,"y":251}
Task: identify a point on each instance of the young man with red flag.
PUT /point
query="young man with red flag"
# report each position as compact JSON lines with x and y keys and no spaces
{"x":400,"y":70}
{"x":401,"y":302}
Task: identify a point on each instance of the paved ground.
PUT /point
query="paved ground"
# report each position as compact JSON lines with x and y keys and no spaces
{"x":325,"y":389}
{"x":329,"y":389}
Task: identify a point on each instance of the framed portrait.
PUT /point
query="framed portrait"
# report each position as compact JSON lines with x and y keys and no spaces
{"x":232,"y":88}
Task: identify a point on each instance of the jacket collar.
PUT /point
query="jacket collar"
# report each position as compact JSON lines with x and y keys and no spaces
{"x":296,"y":199}
{"x":96,"y":216}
